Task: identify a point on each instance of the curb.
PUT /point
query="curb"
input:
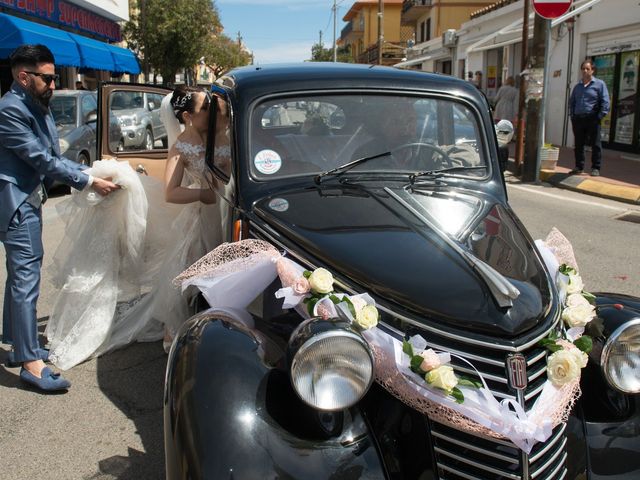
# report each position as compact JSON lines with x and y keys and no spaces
{"x":601,"y":188}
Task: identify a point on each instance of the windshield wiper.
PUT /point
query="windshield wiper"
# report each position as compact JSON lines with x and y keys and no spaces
{"x":347,"y":166}
{"x":442,"y":171}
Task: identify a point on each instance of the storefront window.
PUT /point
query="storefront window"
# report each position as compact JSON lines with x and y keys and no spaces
{"x":627,"y":97}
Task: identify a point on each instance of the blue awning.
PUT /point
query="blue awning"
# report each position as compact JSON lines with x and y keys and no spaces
{"x":69,"y":49}
{"x":124,"y":60}
{"x":93,"y":54}
{"x":15,"y":31}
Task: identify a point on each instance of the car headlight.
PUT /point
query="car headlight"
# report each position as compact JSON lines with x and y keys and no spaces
{"x":64,"y":146}
{"x":331,"y":365}
{"x":621,"y":358}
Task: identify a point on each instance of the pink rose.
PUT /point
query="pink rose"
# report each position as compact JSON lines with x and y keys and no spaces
{"x":323,"y":312}
{"x":431,"y":360}
{"x":301,"y":286}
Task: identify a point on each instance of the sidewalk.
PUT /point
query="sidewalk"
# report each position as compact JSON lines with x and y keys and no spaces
{"x":619,"y":176}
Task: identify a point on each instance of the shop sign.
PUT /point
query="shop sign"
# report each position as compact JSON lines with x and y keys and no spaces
{"x":551,"y":8}
{"x":67,"y":14}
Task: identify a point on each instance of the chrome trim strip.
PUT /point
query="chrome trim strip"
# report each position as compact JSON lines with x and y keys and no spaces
{"x":546,"y":465}
{"x":469,"y":356}
{"x":487,"y":376}
{"x":536,"y":358}
{"x":466,"y":340}
{"x":550,"y":443}
{"x":475,"y":464}
{"x":537,"y":373}
{"x":457,"y":472}
{"x":532,"y":393}
{"x":476,"y":449}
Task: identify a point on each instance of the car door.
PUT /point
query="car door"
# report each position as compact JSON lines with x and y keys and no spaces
{"x":111,"y":118}
{"x":87,"y":120}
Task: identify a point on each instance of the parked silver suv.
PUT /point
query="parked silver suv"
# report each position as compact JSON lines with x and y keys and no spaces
{"x":138,"y":114}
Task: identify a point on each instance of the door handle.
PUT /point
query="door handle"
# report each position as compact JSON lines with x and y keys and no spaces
{"x":140,"y":169}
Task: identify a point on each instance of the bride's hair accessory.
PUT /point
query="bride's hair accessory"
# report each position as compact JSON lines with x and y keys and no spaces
{"x":180,"y":101}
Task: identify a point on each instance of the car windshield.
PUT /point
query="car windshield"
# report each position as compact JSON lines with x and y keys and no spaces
{"x":308,"y":135}
{"x":63,"y":109}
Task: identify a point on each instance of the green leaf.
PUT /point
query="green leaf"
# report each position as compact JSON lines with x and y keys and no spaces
{"x":416,"y":361}
{"x":457,"y":394}
{"x":567,"y":270}
{"x":306,"y":274}
{"x":584,"y":343}
{"x":311,"y":303}
{"x":554,"y":348}
{"x":335,"y":299}
{"x":591,"y":298}
{"x":352,"y":309}
{"x":407,"y":348}
{"x":469,"y":382}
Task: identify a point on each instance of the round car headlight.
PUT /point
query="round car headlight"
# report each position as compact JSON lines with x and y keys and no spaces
{"x":64,"y":146}
{"x":621,"y":358}
{"x":332,"y":368}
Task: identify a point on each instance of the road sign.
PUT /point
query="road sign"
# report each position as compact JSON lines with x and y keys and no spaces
{"x":551,"y":8}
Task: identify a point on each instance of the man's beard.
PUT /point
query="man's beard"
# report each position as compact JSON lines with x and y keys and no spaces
{"x":41,"y":98}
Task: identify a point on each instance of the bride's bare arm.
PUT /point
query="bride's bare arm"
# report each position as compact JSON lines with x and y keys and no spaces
{"x":173,"y":191}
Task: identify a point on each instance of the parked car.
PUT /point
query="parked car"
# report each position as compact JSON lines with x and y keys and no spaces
{"x":421,"y":222}
{"x":75,"y":114}
{"x":138,"y":113}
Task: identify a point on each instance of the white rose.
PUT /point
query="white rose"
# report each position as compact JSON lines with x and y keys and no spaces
{"x":579,"y":315}
{"x":367,"y":317}
{"x":563,"y":368}
{"x":581,"y":358}
{"x":442,"y":377}
{"x":431,"y":360}
{"x":575,"y":284}
{"x":358,"y":303}
{"x":576,"y":299}
{"x":321,"y":281}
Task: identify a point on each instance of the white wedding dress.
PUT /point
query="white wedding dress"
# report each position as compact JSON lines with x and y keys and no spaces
{"x":115,"y":265}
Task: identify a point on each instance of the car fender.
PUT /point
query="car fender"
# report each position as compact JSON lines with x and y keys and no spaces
{"x":230,"y":411}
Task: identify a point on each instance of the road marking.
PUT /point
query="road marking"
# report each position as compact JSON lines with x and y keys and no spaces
{"x":564,"y":198}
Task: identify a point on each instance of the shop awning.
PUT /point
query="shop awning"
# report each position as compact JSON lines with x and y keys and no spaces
{"x":124,"y":60}
{"x":93,"y":54}
{"x":68,"y":49}
{"x":15,"y":31}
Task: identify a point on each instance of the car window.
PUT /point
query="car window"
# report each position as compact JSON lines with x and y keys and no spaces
{"x":138,"y":126}
{"x":64,"y":109}
{"x":222,"y":140}
{"x":88,"y":105}
{"x":307,"y":135}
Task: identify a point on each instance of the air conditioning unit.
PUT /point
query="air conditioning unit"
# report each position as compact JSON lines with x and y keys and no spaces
{"x":449,"y":38}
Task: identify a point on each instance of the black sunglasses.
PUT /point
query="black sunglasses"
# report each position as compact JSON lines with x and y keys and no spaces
{"x":48,"y":78}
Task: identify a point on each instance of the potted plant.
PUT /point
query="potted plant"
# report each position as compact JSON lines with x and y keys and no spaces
{"x":549,"y":156}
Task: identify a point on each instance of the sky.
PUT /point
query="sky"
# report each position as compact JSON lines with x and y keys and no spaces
{"x":281,"y":30}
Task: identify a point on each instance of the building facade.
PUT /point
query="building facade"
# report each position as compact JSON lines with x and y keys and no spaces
{"x":84,"y":36}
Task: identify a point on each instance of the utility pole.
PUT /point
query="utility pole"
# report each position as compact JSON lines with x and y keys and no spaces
{"x":380,"y":29}
{"x":524,"y":63}
{"x":535,"y":109}
{"x":335,"y":47}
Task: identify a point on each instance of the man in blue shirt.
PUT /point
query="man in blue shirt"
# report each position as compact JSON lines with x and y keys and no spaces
{"x":589,"y":103}
{"x":29,"y":158}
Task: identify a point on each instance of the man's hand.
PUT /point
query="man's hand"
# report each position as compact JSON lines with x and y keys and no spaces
{"x":104,"y":186}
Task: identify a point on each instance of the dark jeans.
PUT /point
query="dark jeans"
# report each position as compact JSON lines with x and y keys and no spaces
{"x":586,"y":130}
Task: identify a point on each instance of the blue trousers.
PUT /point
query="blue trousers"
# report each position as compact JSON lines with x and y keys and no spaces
{"x":23,"y":247}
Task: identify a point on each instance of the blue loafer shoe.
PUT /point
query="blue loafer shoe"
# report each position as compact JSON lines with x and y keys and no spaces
{"x":49,"y":381}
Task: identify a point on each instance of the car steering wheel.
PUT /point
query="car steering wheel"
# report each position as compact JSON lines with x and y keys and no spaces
{"x":444,"y":162}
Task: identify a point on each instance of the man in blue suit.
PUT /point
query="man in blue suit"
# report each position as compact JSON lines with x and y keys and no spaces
{"x":30,"y":156}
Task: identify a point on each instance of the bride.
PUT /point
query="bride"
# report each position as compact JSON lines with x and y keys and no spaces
{"x":115,"y":266}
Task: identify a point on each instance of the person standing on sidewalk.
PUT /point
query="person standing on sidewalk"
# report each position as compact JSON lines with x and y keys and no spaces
{"x":29,"y":158}
{"x":588,"y":105}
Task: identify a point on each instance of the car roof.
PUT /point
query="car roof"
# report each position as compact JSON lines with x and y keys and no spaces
{"x":258,"y":80}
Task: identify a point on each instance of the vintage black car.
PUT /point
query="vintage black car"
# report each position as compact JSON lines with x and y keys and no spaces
{"x":390,"y":180}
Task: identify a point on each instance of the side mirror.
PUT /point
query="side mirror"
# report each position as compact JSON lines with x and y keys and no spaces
{"x":504,"y":132}
{"x":152,"y":106}
{"x":91,"y":117}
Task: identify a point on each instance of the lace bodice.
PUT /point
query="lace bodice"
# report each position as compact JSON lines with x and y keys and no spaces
{"x":193,"y":158}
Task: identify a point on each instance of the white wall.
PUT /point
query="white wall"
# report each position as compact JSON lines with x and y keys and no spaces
{"x":116,"y":10}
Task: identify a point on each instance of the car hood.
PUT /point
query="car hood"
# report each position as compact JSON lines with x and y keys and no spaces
{"x":65,"y":130}
{"x":370,"y":237}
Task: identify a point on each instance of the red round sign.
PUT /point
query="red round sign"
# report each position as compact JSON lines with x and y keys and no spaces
{"x":551,"y":8}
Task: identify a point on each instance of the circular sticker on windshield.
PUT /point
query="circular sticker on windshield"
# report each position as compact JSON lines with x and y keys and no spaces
{"x":279,"y":205}
{"x":267,"y":162}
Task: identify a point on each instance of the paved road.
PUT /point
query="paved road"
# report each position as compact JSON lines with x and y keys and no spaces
{"x":109,"y":425}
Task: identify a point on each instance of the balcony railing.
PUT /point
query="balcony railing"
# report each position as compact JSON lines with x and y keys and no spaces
{"x":392,"y":53}
{"x":412,"y":9}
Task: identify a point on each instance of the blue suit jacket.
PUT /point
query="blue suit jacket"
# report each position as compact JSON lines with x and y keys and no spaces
{"x":29,"y":152}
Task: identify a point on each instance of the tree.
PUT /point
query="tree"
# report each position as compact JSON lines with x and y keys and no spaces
{"x":321,"y":54}
{"x":222,"y":54}
{"x":171,"y":34}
